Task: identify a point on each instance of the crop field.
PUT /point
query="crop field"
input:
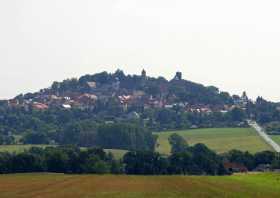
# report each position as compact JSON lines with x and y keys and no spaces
{"x":218,"y":139}
{"x":110,"y":186}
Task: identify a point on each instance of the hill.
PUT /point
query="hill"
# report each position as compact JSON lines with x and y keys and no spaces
{"x":107,"y":85}
{"x":81,"y":186}
{"x":219,"y":139}
{"x":80,"y":111}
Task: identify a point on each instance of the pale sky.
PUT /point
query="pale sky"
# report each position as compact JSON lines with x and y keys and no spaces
{"x":234,"y":45}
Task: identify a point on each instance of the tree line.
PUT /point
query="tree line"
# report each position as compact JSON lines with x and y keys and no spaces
{"x":183,"y":160}
{"x":82,"y":127}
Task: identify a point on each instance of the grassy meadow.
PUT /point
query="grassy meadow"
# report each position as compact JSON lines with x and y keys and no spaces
{"x":276,"y":138}
{"x":121,"y":186}
{"x":218,"y":139}
{"x":19,"y":148}
{"x":118,"y":154}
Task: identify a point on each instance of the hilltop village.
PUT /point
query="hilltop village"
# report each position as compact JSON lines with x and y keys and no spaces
{"x":91,"y":93}
{"x":72,"y":111}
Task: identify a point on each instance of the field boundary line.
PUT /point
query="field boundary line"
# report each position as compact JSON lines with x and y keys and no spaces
{"x":263,"y":135}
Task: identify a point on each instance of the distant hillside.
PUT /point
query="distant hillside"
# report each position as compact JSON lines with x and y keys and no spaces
{"x":75,"y":110}
{"x":106,"y":85}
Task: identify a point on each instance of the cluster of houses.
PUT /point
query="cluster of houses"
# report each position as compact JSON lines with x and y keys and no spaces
{"x":43,"y":102}
{"x":240,"y":168}
{"x":47,"y":98}
{"x":88,"y":100}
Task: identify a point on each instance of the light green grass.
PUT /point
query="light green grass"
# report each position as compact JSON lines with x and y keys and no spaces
{"x":276,"y":138}
{"x":117,"y":153}
{"x":218,"y":139}
{"x":113,"y":186}
{"x":19,"y":148}
{"x":17,"y":138}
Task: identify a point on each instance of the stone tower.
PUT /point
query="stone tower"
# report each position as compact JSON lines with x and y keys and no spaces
{"x":144,"y":74}
{"x":178,"y":76}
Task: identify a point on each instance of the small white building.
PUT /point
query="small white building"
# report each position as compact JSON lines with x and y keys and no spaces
{"x":66,"y":106}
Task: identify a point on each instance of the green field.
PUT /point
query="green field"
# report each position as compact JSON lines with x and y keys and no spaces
{"x":19,"y":148}
{"x":118,"y":154}
{"x":110,"y":186}
{"x":218,"y":139}
{"x":276,"y":138}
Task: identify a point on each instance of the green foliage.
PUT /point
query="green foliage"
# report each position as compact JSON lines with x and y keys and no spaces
{"x":68,"y":159}
{"x":6,"y":139}
{"x":263,"y":111}
{"x":125,"y":136}
{"x":94,"y":165}
{"x":276,"y":163}
{"x":35,"y":138}
{"x":145,"y":163}
{"x":81,"y":125}
{"x":206,"y":161}
{"x":244,"y":158}
{"x":264,"y":157}
{"x":237,"y":114}
{"x":180,"y":163}
{"x":178,"y":143}
{"x":220,"y":140}
{"x":194,"y":160}
{"x":273,"y":127}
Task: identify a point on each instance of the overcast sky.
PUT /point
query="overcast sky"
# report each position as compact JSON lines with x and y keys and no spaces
{"x":234,"y":45}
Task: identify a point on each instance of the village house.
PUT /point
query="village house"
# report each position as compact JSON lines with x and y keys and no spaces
{"x":54,"y":97}
{"x":168,"y":106}
{"x":13,"y":102}
{"x":66,"y":106}
{"x":138,"y":94}
{"x":87,"y":98}
{"x":92,"y":84}
{"x":263,"y":168}
{"x":125,"y":99}
{"x":198,"y":109}
{"x":235,"y":167}
{"x":39,"y":106}
{"x":223,"y":111}
{"x":206,"y":110}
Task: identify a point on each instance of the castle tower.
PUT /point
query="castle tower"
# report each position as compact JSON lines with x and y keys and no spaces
{"x":144,"y":74}
{"x":178,"y":76}
{"x":244,"y":95}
